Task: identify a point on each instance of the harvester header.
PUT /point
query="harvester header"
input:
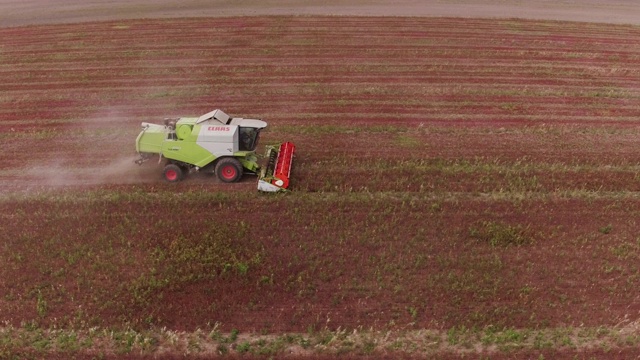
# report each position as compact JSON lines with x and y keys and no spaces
{"x":218,"y":143}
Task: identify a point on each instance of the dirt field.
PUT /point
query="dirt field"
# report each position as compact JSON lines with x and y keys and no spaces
{"x":25,"y":12}
{"x":463,"y":186}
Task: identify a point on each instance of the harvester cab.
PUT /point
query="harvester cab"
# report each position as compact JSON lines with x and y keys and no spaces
{"x":218,"y":143}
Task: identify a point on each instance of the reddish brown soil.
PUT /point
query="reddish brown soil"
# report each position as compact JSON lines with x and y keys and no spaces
{"x":414,"y":136}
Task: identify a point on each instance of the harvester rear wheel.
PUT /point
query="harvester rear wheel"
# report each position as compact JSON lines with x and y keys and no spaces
{"x":229,"y":170}
{"x":185,"y":171}
{"x":173,"y":173}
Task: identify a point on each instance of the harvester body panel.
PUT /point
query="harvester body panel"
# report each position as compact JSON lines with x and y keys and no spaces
{"x":151,"y":138}
{"x":219,"y":140}
{"x":187,"y":152}
{"x":216,"y":115}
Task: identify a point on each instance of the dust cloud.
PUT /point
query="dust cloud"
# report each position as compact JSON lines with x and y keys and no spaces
{"x":98,"y":150}
{"x":122,"y":170}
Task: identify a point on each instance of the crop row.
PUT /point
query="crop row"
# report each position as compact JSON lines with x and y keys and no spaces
{"x":435,"y":67}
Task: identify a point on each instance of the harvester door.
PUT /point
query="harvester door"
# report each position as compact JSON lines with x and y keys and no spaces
{"x":248,"y":138}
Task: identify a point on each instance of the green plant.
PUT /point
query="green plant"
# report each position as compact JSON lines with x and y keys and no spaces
{"x":41,"y":304}
{"x":501,"y":235}
{"x":606,"y":229}
{"x":233,"y":336}
{"x":244,"y":347}
{"x":413,"y":312}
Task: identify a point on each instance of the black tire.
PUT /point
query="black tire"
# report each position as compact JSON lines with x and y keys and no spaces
{"x":185,"y":171}
{"x":229,"y":170}
{"x":173,"y":173}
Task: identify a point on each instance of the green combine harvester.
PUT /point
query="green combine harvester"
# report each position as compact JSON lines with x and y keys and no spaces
{"x":217,"y":143}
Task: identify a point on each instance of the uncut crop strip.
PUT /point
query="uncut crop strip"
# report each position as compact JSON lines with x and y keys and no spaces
{"x":456,"y":343}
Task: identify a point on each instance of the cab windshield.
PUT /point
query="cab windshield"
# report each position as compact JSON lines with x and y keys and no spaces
{"x":248,"y":138}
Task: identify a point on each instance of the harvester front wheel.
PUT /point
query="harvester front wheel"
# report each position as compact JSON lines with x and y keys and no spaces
{"x":173,"y":173}
{"x":229,"y":170}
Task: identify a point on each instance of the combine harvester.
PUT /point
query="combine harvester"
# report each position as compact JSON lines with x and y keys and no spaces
{"x":217,"y":143}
